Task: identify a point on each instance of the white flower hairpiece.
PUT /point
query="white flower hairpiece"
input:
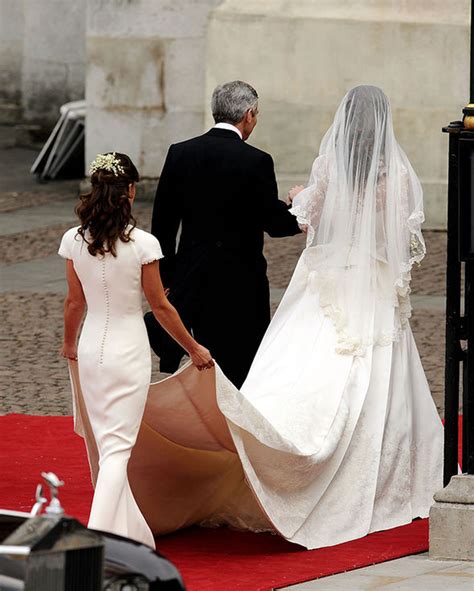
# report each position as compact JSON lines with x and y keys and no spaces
{"x":108,"y":162}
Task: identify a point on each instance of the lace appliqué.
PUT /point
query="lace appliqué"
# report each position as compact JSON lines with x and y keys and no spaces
{"x":417,"y":248}
{"x":308,"y":204}
{"x":417,"y":254}
{"x":347,"y":344}
{"x":325,"y":283}
{"x":308,"y":208}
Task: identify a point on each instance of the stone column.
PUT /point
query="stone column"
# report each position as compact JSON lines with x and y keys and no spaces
{"x":303,"y":56}
{"x":11,"y":50}
{"x":53,"y":57}
{"x":145,"y":76}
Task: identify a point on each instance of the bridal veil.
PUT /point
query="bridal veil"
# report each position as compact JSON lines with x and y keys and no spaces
{"x":363,"y":207}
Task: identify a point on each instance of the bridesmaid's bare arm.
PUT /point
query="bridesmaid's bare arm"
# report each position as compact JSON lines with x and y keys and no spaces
{"x":74,"y":308}
{"x":169,"y":318}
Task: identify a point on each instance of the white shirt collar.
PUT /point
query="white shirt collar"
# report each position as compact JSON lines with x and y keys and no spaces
{"x":228,"y":126}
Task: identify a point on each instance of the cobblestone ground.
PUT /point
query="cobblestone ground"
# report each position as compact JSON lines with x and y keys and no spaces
{"x":33,"y":377}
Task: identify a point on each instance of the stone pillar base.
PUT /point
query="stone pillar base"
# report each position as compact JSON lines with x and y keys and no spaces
{"x":452,"y":521}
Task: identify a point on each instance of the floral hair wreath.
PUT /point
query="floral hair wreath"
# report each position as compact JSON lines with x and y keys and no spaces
{"x":108,"y":162}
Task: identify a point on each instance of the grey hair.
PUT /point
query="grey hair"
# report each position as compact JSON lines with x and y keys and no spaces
{"x":230,"y":101}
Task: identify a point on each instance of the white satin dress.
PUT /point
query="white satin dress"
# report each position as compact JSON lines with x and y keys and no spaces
{"x":113,"y":370}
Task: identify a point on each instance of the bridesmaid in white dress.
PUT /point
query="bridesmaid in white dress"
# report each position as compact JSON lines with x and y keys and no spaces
{"x":109,"y":263}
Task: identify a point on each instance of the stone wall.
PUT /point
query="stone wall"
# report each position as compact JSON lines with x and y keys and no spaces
{"x":145,"y":76}
{"x":53,"y":56}
{"x":11,"y":49}
{"x":303,"y":56}
{"x":152,"y":65}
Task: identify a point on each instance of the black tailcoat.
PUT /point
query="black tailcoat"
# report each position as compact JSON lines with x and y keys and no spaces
{"x":224,"y":194}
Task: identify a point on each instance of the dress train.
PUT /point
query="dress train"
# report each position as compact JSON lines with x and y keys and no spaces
{"x":318,"y":446}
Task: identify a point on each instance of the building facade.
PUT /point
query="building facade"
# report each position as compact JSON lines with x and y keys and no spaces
{"x":147,"y":69}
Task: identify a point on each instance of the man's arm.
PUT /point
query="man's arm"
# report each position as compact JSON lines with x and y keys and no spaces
{"x":277,"y":220}
{"x":167,"y":217}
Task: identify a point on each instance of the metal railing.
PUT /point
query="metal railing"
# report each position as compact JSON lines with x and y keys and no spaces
{"x":459,"y":359}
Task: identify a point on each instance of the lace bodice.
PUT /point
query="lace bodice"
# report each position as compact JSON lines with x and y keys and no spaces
{"x":331,"y":261}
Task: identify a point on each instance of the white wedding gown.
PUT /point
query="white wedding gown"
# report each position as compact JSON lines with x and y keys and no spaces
{"x":329,"y":446}
{"x":335,"y":446}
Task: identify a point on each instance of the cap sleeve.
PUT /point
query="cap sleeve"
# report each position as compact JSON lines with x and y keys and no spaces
{"x":65,"y":248}
{"x":149,"y":249}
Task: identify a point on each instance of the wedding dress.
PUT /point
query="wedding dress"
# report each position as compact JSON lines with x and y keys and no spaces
{"x":114,"y":371}
{"x":334,"y":433}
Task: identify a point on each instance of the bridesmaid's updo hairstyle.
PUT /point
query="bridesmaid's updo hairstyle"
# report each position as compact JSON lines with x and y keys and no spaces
{"x":106,"y":211}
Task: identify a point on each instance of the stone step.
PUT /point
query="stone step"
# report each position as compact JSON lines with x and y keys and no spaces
{"x":10,"y":113}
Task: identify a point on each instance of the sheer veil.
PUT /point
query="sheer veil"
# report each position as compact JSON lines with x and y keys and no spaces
{"x":363,"y":207}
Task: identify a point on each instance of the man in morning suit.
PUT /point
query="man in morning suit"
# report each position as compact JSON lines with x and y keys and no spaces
{"x":223,"y":193}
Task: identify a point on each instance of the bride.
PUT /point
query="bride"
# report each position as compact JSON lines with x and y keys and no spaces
{"x":334,"y":433}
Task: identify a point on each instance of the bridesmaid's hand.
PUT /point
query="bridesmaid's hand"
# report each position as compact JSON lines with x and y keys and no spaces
{"x":201,"y":357}
{"x":69,"y":351}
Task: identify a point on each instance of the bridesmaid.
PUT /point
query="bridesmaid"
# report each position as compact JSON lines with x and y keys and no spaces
{"x":109,"y":262}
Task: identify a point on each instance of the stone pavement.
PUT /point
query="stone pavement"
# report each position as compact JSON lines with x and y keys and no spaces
{"x":405,"y":574}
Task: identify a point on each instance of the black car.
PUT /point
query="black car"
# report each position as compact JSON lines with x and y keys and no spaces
{"x":41,"y":551}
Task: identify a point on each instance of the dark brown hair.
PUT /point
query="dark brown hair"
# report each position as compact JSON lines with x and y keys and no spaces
{"x":106,"y":211}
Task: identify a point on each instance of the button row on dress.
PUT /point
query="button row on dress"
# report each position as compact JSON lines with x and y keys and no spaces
{"x":107,"y":312}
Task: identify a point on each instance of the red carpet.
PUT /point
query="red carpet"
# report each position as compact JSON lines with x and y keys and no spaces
{"x":209,"y":560}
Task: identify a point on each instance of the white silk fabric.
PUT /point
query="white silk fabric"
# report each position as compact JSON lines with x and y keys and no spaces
{"x":363,"y":208}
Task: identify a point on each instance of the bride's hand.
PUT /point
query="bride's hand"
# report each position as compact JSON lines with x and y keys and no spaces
{"x":201,"y":357}
{"x":294,"y":191}
{"x":69,"y":351}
